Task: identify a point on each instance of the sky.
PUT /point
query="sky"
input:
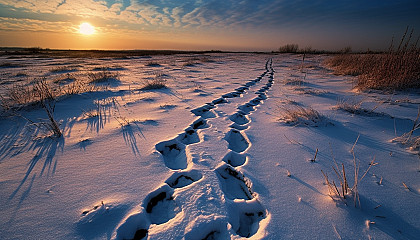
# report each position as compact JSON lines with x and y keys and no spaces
{"x":248,"y":25}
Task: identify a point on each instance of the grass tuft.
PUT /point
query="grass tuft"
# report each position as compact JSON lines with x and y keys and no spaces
{"x":303,"y":116}
{"x":342,"y":192}
{"x":407,"y":139}
{"x":102,"y":76}
{"x":158,"y":82}
{"x":152,"y":64}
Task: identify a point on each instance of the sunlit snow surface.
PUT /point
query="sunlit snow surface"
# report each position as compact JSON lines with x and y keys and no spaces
{"x":207,"y":157}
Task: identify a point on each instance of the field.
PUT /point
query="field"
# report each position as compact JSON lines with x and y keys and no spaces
{"x":203,"y":146}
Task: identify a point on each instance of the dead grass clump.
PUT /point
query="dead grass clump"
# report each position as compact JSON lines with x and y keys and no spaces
{"x":63,"y":69}
{"x":152,"y":64}
{"x":40,"y":92}
{"x":294,"y":81}
{"x":21,"y":74}
{"x":63,"y":79}
{"x":190,"y":63}
{"x":394,"y":70}
{"x":342,"y":192}
{"x":158,"y":82}
{"x":303,"y":116}
{"x":350,"y":107}
{"x":10,"y":65}
{"x":77,"y":87}
{"x":17,"y":95}
{"x":407,"y":139}
{"x":103,"y":76}
{"x":46,"y":97}
{"x":357,"y":109}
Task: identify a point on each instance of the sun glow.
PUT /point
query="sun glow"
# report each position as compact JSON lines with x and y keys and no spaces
{"x":86,"y":29}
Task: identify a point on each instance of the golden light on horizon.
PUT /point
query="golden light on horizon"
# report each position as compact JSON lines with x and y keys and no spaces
{"x":86,"y":29}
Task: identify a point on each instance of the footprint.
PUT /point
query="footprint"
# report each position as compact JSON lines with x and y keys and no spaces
{"x":263,"y":96}
{"x":237,"y":141}
{"x":231,"y":95}
{"x":234,"y":184}
{"x":245,"y":216}
{"x":247,"y":108}
{"x":234,"y":159}
{"x":190,"y":136}
{"x":255,"y":101}
{"x":199,"y":124}
{"x":240,"y":118}
{"x":174,"y":154}
{"x":241,"y":89}
{"x":208,"y":229}
{"x":249,"y":84}
{"x":204,"y":111}
{"x":134,"y":227}
{"x":238,"y":127}
{"x":219,"y":101}
{"x":261,"y":90}
{"x":160,"y":205}
{"x":182,"y":179}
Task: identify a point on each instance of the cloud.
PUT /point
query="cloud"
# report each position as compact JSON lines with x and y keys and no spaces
{"x":31,"y":25}
{"x":216,"y":17}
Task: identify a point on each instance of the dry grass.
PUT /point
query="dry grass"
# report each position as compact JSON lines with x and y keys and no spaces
{"x":152,"y":64}
{"x":344,"y":191}
{"x":303,"y":116}
{"x":407,"y":139}
{"x":19,"y":96}
{"x":158,"y":82}
{"x":63,"y":69}
{"x":103,"y":76}
{"x":46,"y":97}
{"x":394,"y":70}
{"x":41,"y":93}
{"x":356,"y":108}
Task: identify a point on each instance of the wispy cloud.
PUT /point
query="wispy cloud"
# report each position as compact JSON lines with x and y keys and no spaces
{"x":223,"y":13}
{"x":222,"y":17}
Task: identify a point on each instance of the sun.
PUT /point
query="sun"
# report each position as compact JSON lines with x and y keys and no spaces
{"x":86,"y":29}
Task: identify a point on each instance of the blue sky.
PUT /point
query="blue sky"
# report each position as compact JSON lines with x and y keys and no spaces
{"x":201,"y":24}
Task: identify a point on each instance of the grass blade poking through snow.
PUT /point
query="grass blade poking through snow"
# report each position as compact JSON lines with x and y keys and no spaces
{"x":344,"y":191}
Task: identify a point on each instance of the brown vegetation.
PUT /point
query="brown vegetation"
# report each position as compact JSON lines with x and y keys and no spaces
{"x":393,"y":70}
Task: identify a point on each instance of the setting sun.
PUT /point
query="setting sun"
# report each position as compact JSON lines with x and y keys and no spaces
{"x":86,"y":29}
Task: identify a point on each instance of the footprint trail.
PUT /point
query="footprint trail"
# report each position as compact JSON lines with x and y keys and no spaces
{"x":210,"y":151}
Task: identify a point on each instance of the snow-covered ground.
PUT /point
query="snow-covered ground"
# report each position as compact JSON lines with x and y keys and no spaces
{"x":213,"y":156}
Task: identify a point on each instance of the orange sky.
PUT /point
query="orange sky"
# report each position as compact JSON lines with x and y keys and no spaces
{"x":205,"y":25}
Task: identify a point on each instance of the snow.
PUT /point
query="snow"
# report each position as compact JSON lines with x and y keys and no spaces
{"x":209,"y":157}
